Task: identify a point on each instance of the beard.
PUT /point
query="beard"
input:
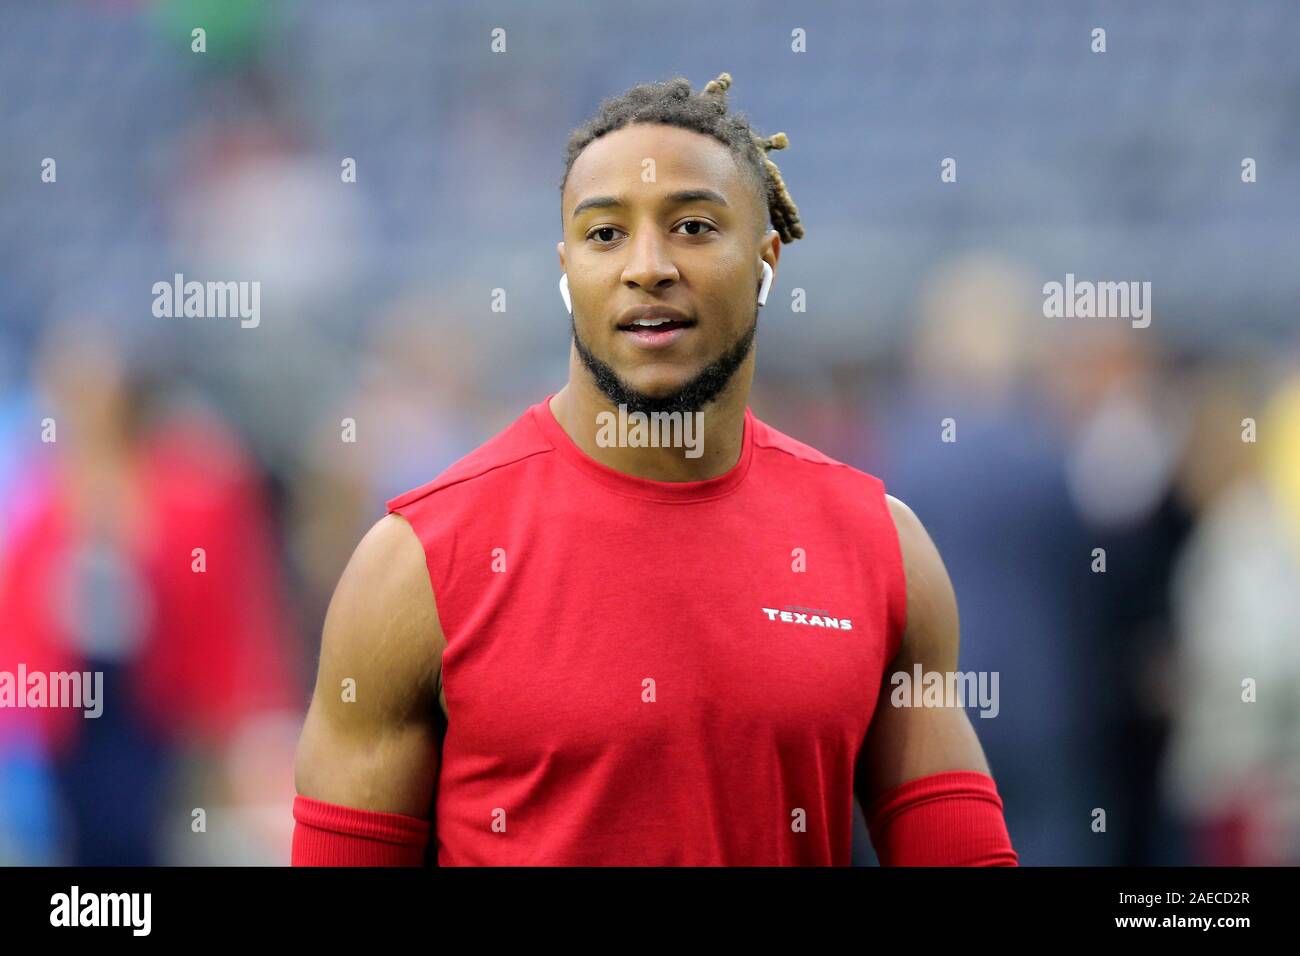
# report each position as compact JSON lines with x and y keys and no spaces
{"x":701,"y":389}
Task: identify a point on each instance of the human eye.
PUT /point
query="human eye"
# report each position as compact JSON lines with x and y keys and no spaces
{"x":600,"y":229}
{"x":697,"y":222}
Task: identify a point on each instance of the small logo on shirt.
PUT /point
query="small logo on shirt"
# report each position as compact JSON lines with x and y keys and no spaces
{"x":808,"y":616}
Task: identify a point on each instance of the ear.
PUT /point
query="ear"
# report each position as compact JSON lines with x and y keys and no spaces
{"x":769,"y":248}
{"x":559,"y":247}
{"x":769,"y":253}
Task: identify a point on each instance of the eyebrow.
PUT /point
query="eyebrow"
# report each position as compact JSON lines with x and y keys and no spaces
{"x":673,"y":199}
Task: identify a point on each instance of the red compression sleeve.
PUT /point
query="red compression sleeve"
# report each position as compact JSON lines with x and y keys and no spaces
{"x":326,"y":834}
{"x":952,"y":818}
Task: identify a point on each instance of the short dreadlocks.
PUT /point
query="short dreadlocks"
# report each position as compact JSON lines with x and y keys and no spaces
{"x":674,"y":104}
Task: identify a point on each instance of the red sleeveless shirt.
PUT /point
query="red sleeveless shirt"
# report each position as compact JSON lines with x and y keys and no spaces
{"x":655,"y":673}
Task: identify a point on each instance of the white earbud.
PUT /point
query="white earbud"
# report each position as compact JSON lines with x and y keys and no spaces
{"x":762,"y":292}
{"x":564,"y":292}
{"x":767,"y":284}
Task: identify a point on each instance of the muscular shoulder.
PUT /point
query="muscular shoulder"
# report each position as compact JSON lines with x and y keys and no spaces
{"x":370,"y":737}
{"x":931,"y":634}
{"x":382,"y":623}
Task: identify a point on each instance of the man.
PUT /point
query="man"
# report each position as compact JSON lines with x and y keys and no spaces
{"x":580,"y":647}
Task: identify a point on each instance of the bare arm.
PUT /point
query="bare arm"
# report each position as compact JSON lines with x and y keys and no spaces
{"x":381,"y":751}
{"x":904,"y":743}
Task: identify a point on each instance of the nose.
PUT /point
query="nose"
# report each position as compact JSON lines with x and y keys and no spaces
{"x":648,"y":266}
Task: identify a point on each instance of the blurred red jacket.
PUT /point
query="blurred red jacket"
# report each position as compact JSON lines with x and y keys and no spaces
{"x":215,"y":647}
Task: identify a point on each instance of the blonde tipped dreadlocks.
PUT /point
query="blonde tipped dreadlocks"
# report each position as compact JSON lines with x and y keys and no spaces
{"x":675,"y":104}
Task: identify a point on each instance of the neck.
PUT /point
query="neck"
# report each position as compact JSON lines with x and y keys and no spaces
{"x":579,"y":404}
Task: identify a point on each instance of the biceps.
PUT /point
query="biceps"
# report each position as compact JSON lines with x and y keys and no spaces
{"x":904,"y":743}
{"x":366,"y":766}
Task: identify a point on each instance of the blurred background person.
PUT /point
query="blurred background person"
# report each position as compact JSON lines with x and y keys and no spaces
{"x":981,"y":461}
{"x":1234,"y":770}
{"x":139,"y":549}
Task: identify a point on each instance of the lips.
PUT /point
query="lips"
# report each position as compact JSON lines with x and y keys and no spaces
{"x":654,"y":326}
{"x":653,"y":317}
{"x":658,"y":336}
